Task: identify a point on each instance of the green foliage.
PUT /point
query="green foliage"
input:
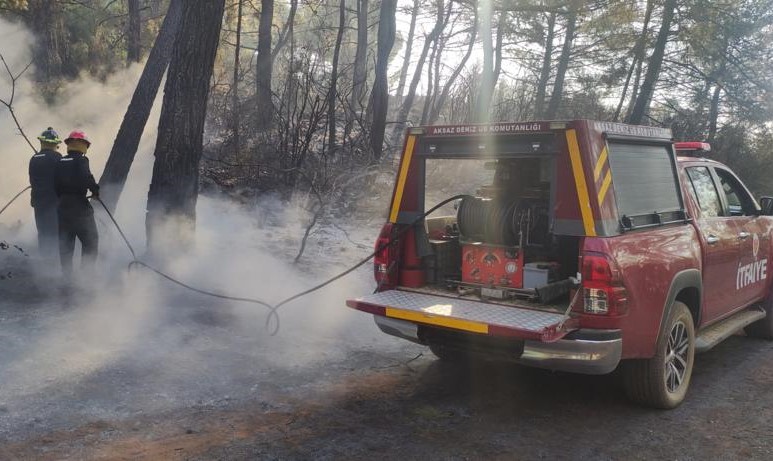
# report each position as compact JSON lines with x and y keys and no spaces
{"x":715,"y":83}
{"x":91,"y":34}
{"x":13,"y":5}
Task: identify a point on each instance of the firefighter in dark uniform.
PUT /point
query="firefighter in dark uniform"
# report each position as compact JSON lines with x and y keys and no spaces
{"x":44,"y":200}
{"x":76,"y":216}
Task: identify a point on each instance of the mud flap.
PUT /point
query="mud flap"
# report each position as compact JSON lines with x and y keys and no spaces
{"x":467,"y":315}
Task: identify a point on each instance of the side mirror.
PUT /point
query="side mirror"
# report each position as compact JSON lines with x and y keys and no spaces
{"x":766,"y":203}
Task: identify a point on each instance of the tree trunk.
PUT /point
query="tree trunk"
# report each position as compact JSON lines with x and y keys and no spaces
{"x":333,"y":91}
{"x":638,"y":57}
{"x":635,"y":88}
{"x":380,"y":94}
{"x":501,"y":25}
{"x":563,"y":65}
{"x":433,"y":72}
{"x":287,"y":30}
{"x":133,"y":43}
{"x":441,"y":99}
{"x":174,"y":186}
{"x":360,"y":76}
{"x":405,"y":108}
{"x":235,"y":87}
{"x":408,"y":50}
{"x":155,"y":7}
{"x":644,"y":97}
{"x":486,"y":89}
{"x":264,"y":67}
{"x":52,"y":49}
{"x":716,"y":97}
{"x":544,"y":75}
{"x":714,"y":113}
{"x":129,"y":134}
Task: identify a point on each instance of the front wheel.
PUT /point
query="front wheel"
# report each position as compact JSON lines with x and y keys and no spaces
{"x":662,"y":381}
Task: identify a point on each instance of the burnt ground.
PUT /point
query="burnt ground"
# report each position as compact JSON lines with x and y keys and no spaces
{"x":188,"y":378}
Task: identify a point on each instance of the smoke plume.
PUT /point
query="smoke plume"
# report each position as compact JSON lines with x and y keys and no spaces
{"x":96,"y":323}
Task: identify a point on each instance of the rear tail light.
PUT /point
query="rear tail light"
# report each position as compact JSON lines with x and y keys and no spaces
{"x":385,"y":261}
{"x":602,"y":286}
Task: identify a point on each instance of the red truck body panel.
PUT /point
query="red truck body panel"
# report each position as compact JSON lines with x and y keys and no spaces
{"x":723,"y":263}
{"x":649,"y":261}
{"x":715,"y":264}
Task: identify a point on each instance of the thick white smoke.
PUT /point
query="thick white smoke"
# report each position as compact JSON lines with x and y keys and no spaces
{"x":93,"y":106}
{"x":245,"y":250}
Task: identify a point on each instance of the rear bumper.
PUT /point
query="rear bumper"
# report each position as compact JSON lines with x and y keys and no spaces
{"x":576,"y":355}
{"x":591,"y":352}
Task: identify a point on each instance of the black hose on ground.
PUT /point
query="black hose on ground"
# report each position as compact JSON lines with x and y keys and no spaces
{"x":272,"y":314}
{"x":123,"y":236}
{"x":137,"y":262}
{"x":271,"y":309}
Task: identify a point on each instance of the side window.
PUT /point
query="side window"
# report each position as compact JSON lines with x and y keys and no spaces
{"x":738,"y":201}
{"x":705,"y":192}
{"x":692,"y":192}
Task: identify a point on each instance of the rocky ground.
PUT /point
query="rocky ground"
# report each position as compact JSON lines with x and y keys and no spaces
{"x":129,"y":367}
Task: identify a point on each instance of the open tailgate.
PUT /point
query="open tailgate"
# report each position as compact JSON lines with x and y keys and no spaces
{"x":466,"y":315}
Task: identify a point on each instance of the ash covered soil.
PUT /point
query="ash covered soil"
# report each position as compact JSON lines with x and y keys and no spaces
{"x":153,"y":372}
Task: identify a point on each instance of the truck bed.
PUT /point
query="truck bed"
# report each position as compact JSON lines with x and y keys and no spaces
{"x":558,"y":307}
{"x":459,"y":313}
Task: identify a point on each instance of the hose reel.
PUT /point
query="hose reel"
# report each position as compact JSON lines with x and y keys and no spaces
{"x":508,"y":222}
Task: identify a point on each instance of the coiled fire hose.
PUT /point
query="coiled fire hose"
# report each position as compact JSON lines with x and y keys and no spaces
{"x":272,"y":309}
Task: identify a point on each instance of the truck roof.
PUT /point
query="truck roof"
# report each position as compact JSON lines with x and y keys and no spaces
{"x":505,"y":128}
{"x":687,"y":158}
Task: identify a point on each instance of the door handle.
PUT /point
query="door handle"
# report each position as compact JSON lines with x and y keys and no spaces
{"x":743,"y":235}
{"x":712,"y":239}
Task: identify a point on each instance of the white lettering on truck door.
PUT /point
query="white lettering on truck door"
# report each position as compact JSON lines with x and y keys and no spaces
{"x":753,"y":272}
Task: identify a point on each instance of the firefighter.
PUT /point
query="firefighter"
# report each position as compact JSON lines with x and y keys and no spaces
{"x":42,"y":168}
{"x":76,"y":216}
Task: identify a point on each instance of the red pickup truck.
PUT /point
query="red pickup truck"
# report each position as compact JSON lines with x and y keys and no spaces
{"x":578,"y":246}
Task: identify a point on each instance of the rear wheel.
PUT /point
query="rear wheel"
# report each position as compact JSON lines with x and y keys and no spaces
{"x":662,"y":381}
{"x":762,"y":328}
{"x":448,"y":354}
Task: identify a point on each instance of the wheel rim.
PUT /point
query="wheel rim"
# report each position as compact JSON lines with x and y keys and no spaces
{"x":677,"y":356}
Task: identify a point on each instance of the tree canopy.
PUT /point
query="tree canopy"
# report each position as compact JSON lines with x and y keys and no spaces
{"x":317,"y":82}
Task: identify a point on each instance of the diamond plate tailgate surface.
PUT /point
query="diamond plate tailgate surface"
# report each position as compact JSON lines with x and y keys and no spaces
{"x":463,"y":314}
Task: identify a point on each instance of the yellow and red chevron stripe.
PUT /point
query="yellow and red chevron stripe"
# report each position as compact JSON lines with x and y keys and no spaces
{"x":601,"y":165}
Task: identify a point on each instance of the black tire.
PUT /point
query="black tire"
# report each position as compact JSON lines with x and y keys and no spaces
{"x":448,"y":354}
{"x":762,"y":328}
{"x":663,"y":380}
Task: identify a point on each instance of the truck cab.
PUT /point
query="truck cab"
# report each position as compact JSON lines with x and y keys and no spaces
{"x":735,"y":240}
{"x":577,"y":246}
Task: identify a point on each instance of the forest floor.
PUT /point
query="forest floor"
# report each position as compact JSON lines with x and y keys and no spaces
{"x":145,"y":376}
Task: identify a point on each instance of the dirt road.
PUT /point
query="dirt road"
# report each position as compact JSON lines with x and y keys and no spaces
{"x":192,"y":379}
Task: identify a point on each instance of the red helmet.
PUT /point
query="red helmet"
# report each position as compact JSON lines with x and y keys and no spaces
{"x":78,"y":134}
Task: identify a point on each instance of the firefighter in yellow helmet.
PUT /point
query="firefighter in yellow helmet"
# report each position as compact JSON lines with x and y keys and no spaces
{"x":42,"y":168}
{"x":76,"y":216}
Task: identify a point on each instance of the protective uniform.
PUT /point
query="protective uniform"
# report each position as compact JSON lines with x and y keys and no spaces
{"x":76,"y":216}
{"x":42,"y":168}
